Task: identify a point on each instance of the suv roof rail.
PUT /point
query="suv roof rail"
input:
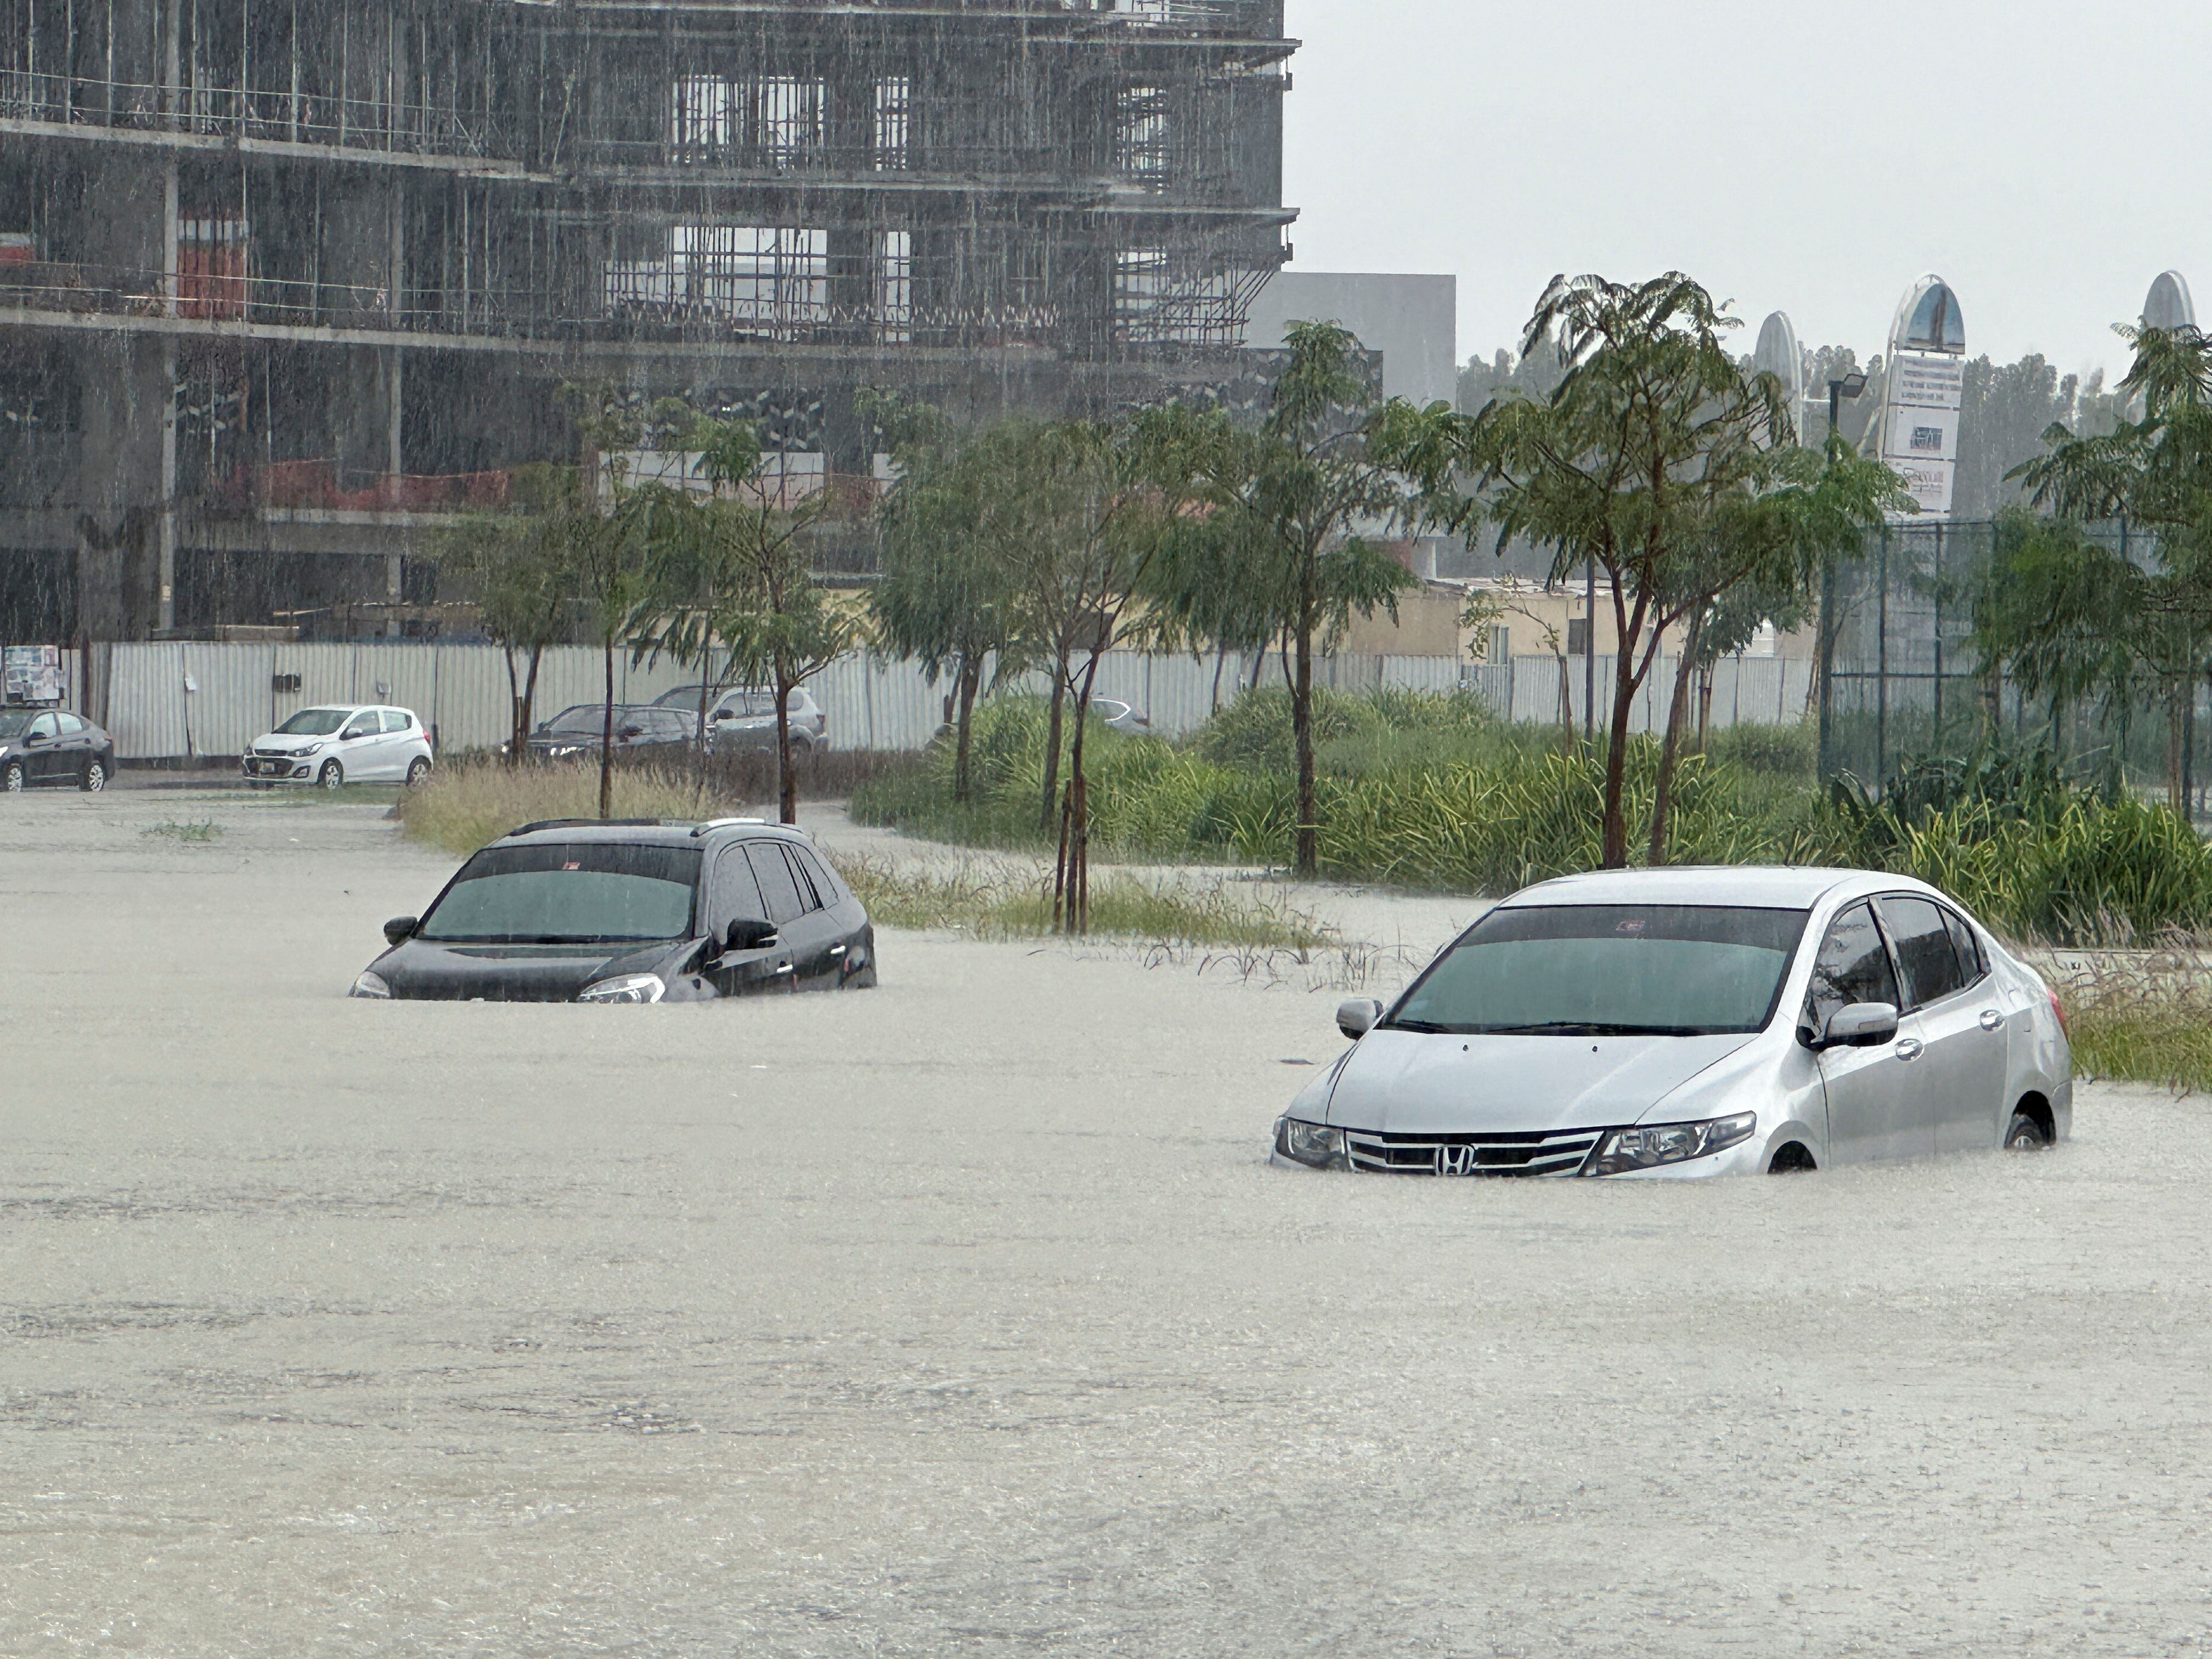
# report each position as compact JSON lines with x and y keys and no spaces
{"x":699,"y":830}
{"x":584,"y":824}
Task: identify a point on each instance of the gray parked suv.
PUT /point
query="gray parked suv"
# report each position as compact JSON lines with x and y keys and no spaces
{"x":743,"y":718}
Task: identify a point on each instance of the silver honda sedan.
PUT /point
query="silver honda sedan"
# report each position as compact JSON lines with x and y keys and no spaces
{"x":1678,"y":1023}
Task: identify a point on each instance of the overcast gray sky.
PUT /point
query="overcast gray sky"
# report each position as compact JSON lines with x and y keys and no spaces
{"x":2049,"y":160}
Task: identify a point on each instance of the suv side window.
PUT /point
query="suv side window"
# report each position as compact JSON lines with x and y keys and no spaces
{"x":1924,"y":952}
{"x":778,"y":885}
{"x":737,"y":893}
{"x":825,"y":887}
{"x":1853,"y":966}
{"x":1968,"y":947}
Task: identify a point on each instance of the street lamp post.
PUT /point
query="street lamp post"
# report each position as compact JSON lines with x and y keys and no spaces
{"x":1849,"y":385}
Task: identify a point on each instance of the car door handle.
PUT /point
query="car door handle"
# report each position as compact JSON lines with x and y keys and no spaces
{"x":1908,"y":1048}
{"x":782,"y":966}
{"x":837,"y":949}
{"x":1991,"y":1019}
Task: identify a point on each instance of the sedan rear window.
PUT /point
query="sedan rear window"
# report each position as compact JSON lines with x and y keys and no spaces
{"x":590,"y":892}
{"x":1604,"y":970}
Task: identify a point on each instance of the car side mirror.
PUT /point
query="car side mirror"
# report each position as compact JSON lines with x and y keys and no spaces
{"x":629,"y":732}
{"x":1356,"y":1016}
{"x":747,"y":933}
{"x":725,"y":714}
{"x":1861,"y":1025}
{"x":400,"y":928}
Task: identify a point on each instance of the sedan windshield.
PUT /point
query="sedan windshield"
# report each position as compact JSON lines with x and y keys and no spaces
{"x":315,"y":722}
{"x":585,"y":893}
{"x":13,"y":720}
{"x":1607,"y":970}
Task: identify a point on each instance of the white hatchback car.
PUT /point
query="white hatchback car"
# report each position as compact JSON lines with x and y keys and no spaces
{"x":1696,"y":1023}
{"x":341,"y":743}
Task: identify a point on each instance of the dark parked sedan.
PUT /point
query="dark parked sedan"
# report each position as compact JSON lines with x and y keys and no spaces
{"x":642,"y":733}
{"x":51,"y":746}
{"x":642,"y":910}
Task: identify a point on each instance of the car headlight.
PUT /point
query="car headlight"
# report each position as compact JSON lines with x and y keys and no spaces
{"x":1316,"y":1145}
{"x":629,"y":987}
{"x":1649,"y":1147}
{"x":370,"y":985}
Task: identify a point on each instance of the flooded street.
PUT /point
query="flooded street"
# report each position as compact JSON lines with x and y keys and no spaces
{"x":964,"y":1317}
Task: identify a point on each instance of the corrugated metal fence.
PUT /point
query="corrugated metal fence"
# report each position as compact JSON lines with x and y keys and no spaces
{"x":169,"y":701}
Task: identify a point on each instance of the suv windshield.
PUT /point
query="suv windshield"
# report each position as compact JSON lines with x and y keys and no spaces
{"x":590,"y":892}
{"x":1607,"y":970}
{"x":315,"y":722}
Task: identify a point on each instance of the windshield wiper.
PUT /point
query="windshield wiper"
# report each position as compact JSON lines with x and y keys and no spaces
{"x":1428,"y":1027}
{"x":1580,"y":1028}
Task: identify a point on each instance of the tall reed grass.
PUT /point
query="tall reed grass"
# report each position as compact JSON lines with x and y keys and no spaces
{"x":1432,"y":792}
{"x":465,"y":803}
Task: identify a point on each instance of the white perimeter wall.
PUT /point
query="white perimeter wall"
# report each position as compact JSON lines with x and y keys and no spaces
{"x":461,"y":691}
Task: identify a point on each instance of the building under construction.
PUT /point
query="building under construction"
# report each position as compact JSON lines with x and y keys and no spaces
{"x":285,"y":285}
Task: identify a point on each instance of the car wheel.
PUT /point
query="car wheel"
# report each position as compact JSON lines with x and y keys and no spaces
{"x":13,"y":779}
{"x":95,"y":776}
{"x":332,"y":775}
{"x":417,"y":770}
{"x":1792,"y":1160}
{"x":2025,"y":1134}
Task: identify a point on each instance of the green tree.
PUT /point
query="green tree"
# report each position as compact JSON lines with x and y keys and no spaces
{"x":1073,"y":515}
{"x":1271,"y":536}
{"x":2069,"y":612}
{"x":777,"y":626}
{"x":2006,"y":408}
{"x":519,"y":567}
{"x":608,"y":534}
{"x":947,"y":598}
{"x":1658,"y":457}
{"x":694,"y":577}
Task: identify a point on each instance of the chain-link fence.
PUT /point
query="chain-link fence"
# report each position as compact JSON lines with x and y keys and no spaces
{"x":1906,"y":683}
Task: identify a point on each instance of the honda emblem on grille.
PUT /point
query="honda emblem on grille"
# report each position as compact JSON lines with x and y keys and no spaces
{"x":1455,"y":1160}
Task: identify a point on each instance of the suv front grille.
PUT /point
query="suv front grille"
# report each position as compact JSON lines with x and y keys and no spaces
{"x":1561,"y":1153}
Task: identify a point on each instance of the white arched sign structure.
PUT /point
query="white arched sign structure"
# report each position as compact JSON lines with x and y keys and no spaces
{"x":1776,"y":354}
{"x":1923,"y":379}
{"x":2168,"y":305}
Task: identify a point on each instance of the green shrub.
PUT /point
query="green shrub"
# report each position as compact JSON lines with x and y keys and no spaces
{"x":1787,"y":751}
{"x":1432,"y":792}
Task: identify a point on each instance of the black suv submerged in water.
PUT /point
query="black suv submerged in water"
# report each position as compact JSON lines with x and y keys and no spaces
{"x":583,"y":910}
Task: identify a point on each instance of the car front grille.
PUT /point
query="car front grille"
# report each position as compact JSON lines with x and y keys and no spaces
{"x":1561,"y":1153}
{"x":274,"y":754}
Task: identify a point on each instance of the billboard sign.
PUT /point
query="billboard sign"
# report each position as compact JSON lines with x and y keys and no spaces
{"x":32,"y":673}
{"x":1924,"y":386}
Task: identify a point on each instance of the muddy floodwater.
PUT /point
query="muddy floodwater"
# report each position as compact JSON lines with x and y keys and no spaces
{"x":964,"y":1317}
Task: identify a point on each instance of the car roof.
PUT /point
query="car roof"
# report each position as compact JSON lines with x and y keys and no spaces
{"x":649,"y":832}
{"x":1770,"y":887}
